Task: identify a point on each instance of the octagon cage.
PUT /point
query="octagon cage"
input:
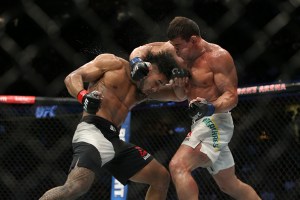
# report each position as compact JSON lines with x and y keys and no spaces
{"x":36,"y":135}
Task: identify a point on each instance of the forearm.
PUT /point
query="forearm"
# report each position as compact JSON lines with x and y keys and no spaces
{"x":167,"y":93}
{"x":179,"y":93}
{"x":225,"y":102}
{"x":140,"y":52}
{"x":200,"y":107}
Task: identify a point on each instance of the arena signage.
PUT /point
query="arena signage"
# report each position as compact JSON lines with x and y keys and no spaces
{"x":262,"y":89}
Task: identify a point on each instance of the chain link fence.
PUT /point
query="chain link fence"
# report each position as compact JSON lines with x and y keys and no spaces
{"x":42,"y":41}
{"x":36,"y":146}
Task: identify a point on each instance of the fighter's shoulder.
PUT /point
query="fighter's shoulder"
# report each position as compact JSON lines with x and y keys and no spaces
{"x":217,"y":52}
{"x":109,"y":60}
{"x":219,"y":57}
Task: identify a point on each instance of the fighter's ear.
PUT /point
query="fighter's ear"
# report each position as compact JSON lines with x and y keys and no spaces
{"x":193,"y":39}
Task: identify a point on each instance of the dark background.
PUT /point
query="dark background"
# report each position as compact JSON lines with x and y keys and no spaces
{"x":42,"y":41}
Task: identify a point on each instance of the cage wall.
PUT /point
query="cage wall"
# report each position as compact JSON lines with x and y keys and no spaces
{"x":36,"y":146}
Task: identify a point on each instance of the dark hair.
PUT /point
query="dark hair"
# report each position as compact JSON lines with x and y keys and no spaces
{"x":164,"y":61}
{"x":182,"y":27}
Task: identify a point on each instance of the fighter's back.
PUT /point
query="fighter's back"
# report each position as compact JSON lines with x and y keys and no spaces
{"x":118,"y":91}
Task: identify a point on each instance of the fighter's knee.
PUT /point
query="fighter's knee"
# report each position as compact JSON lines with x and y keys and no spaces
{"x":175,"y":166}
{"x":224,"y":188}
{"x":227,"y":187}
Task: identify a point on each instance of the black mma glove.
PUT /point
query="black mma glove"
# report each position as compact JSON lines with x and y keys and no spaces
{"x":180,"y":73}
{"x":139,"y":69}
{"x":199,"y":109}
{"x":91,"y":101}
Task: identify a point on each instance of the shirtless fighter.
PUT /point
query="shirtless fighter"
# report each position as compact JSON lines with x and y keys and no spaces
{"x":115,"y":86}
{"x":211,"y":90}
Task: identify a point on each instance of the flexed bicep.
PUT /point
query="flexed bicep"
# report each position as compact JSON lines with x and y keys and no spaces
{"x":225,"y":76}
{"x":225,"y":79}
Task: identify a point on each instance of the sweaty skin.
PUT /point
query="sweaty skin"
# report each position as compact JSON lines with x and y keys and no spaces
{"x":213,"y":73}
{"x":156,"y":47}
{"x":174,"y":91}
{"x":213,"y":78}
{"x":110,"y":75}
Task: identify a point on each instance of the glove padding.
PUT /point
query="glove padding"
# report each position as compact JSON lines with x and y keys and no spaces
{"x":139,"y":69}
{"x":180,"y":73}
{"x":91,"y":102}
{"x":199,"y":109}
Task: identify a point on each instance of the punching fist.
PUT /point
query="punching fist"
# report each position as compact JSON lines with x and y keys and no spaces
{"x":180,"y":73}
{"x":139,"y":68}
{"x":200,"y":108}
{"x":91,"y":101}
{"x":179,"y":77}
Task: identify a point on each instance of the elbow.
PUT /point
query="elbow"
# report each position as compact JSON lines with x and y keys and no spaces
{"x":235,"y":100}
{"x":234,"y":105}
{"x":67,"y":80}
{"x":70,"y":79}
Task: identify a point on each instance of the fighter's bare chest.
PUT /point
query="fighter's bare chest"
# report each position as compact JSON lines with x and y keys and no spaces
{"x":201,"y":76}
{"x":122,"y":90}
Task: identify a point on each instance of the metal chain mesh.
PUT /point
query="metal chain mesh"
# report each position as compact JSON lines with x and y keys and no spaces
{"x":36,"y":146}
{"x":42,"y":41}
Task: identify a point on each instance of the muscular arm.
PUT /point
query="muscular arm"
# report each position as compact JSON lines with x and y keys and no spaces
{"x":142,"y":51}
{"x":90,"y":72}
{"x":169,"y":93}
{"x":174,"y":92}
{"x":225,"y":78}
{"x":155,"y":47}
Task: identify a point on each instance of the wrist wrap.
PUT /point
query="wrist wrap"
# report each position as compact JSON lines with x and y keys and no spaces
{"x":81,"y":94}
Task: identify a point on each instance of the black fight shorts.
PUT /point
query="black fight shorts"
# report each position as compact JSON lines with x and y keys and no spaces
{"x":96,"y":145}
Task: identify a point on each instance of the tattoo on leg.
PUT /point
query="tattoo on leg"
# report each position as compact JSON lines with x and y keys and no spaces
{"x":78,"y":182}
